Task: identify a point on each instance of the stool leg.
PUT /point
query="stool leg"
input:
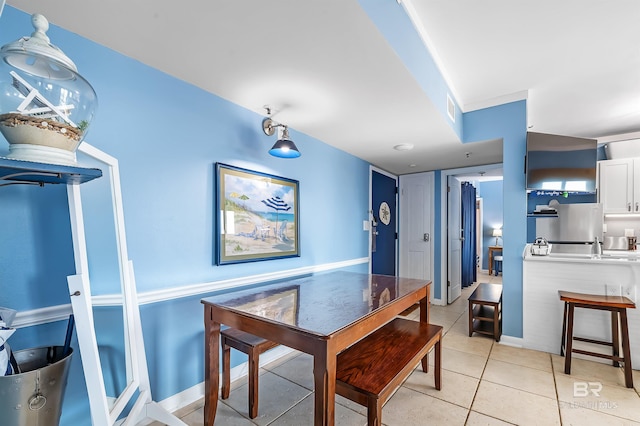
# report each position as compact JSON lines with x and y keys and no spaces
{"x":564,"y":328}
{"x":470,"y":318}
{"x":615,"y":337}
{"x":226,"y":368}
{"x":496,"y":325}
{"x":438,"y":366}
{"x":254,"y":371}
{"x":628,"y":374}
{"x":567,"y":355}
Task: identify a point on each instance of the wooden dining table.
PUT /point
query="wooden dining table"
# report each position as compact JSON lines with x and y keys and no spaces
{"x":319,"y":314}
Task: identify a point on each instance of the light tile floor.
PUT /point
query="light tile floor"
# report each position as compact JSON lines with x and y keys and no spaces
{"x":484,"y":383}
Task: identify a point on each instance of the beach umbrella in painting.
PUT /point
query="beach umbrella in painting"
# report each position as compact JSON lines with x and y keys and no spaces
{"x":278,"y":205}
{"x":242,"y":197}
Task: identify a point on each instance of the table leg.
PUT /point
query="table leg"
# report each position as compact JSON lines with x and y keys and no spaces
{"x":490,"y":261}
{"x":424,"y":317}
{"x":212,"y":366}
{"x":424,"y":308}
{"x":324,"y":377}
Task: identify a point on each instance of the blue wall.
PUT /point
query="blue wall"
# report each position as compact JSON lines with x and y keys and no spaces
{"x":166,"y":135}
{"x":491,"y":193}
{"x":509,"y":123}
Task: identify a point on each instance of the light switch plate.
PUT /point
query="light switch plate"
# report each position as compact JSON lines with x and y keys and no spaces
{"x":365,"y":225}
{"x":613,"y":290}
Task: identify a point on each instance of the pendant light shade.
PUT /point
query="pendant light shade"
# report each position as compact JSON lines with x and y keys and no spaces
{"x":285,"y":148}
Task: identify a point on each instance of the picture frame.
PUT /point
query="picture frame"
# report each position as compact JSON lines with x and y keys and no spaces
{"x":257,"y":216}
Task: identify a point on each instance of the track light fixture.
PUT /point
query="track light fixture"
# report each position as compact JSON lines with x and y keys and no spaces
{"x":284,"y":147}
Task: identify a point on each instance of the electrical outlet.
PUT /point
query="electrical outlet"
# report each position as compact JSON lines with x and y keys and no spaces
{"x":630,"y":292}
{"x":612,"y":289}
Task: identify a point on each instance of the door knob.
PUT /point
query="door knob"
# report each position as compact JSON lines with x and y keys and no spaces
{"x":425,"y":237}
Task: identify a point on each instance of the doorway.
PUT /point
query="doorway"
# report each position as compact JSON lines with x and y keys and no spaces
{"x":416,"y":226}
{"x":479,"y":220}
{"x":448,"y":263}
{"x":384,"y":219}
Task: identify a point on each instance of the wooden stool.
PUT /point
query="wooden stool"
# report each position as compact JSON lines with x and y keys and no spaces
{"x":251,"y":345}
{"x":617,"y":305}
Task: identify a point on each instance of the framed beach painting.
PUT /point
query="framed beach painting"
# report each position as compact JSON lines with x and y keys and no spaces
{"x":257,"y":216}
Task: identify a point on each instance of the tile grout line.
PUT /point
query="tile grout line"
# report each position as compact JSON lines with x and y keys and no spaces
{"x":475,"y":394}
{"x":555,"y":386}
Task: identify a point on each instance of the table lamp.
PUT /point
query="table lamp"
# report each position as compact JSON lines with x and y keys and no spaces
{"x":497,"y":232}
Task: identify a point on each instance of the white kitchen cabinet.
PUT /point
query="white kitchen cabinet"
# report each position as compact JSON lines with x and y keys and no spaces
{"x":619,"y":188}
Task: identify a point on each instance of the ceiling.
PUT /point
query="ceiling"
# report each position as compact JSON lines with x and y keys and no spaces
{"x":326,"y":70}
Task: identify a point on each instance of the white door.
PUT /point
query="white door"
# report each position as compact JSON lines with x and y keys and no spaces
{"x":416,"y":205}
{"x":454,"y":237}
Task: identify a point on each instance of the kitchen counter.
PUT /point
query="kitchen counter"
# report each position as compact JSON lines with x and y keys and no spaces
{"x":613,"y":272}
{"x":607,"y":256}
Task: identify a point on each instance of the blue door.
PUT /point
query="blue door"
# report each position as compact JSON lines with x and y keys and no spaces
{"x":384,"y":237}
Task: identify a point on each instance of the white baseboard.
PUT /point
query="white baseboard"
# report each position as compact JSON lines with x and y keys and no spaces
{"x":438,"y":302}
{"x":516,"y":342}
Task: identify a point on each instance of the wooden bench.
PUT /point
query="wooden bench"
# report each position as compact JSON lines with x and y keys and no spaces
{"x":251,"y":345}
{"x":373,"y":368}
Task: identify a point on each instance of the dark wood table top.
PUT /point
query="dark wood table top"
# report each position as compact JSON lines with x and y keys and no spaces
{"x":320,"y":304}
{"x":487,"y":293}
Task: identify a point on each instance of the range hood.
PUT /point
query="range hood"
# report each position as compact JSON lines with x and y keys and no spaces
{"x":561,"y":163}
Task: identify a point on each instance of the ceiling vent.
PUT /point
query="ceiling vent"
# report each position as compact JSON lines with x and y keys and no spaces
{"x":451,"y":109}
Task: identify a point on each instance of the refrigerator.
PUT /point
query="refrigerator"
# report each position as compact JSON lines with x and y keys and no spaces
{"x":574,"y":229}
